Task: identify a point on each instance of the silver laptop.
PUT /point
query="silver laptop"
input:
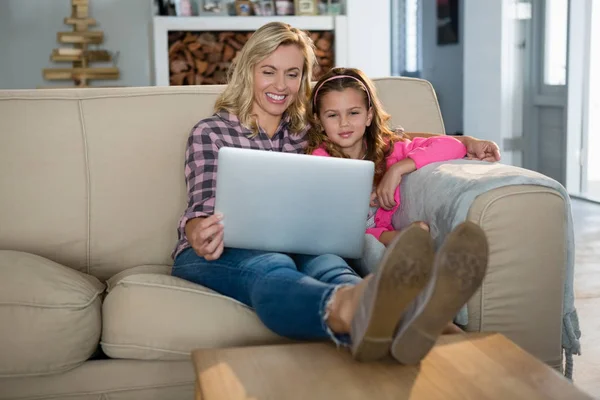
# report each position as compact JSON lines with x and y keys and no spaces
{"x":293,"y":203}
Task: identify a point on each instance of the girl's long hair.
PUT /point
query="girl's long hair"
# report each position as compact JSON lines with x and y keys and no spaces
{"x":378,"y":136}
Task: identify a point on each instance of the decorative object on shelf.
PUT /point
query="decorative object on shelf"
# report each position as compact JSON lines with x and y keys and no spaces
{"x":80,"y":54}
{"x":447,"y":22}
{"x":165,"y":7}
{"x":306,"y":7}
{"x":204,"y":58}
{"x":264,"y":7}
{"x":334,"y":7}
{"x":184,"y":8}
{"x":208,"y":8}
{"x":323,"y":7}
{"x":243,"y":7}
{"x":284,"y":7}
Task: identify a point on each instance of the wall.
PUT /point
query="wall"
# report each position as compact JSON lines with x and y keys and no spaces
{"x":443,"y":66}
{"x":28,"y":35}
{"x":489,"y":58}
{"x":363,"y":48}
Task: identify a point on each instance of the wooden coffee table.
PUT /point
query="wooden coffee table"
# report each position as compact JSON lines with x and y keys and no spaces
{"x":472,"y":366}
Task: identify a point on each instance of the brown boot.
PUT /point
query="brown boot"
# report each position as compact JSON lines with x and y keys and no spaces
{"x":458,"y":271}
{"x":404,"y":270}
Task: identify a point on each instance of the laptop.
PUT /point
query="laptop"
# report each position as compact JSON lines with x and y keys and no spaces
{"x":293,"y":203}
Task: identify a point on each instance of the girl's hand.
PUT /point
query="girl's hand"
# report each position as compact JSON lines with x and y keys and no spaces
{"x":206,"y":236}
{"x":374,"y":202}
{"x":390,"y":182}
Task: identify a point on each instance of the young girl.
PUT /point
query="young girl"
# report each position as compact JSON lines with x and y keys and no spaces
{"x":348,"y":121}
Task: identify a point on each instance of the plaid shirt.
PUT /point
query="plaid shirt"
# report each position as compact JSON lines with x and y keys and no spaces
{"x":204,"y":142}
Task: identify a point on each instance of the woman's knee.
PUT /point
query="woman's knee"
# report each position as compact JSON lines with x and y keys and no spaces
{"x":269,"y":262}
{"x":331,"y":260}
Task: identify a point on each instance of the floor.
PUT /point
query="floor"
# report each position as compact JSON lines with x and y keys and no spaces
{"x":593,"y":190}
{"x":586,"y":220}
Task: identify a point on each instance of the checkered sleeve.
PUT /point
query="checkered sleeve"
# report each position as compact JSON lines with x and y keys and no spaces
{"x":200,"y":173}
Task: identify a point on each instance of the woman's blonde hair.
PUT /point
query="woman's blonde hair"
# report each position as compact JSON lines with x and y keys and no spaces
{"x":378,"y":136}
{"x":238,"y":96}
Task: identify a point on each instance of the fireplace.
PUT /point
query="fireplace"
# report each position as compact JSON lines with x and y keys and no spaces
{"x":204,"y":58}
{"x":200,"y":50}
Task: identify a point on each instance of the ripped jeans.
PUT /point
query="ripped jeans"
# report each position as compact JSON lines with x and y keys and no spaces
{"x":289,"y":292}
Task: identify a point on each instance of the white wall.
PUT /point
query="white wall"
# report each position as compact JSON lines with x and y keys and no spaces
{"x":28,"y":35}
{"x":443,"y":66}
{"x":489,"y":51}
{"x":369,"y":36}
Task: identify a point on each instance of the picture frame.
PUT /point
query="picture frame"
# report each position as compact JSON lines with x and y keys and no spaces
{"x":306,"y":7}
{"x":447,"y":22}
{"x":211,"y":8}
{"x":284,"y":7}
{"x":243,"y":7}
{"x":264,"y":7}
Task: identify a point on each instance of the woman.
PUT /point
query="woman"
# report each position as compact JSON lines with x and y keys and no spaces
{"x":297,"y":296}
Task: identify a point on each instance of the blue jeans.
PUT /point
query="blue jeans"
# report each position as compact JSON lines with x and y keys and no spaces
{"x":289,"y":292}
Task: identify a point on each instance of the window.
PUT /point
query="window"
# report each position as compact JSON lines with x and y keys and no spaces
{"x":411,"y":36}
{"x":406,"y":22}
{"x":555,"y":42}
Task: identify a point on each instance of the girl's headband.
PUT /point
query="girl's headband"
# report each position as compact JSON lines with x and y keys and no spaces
{"x":340,"y":77}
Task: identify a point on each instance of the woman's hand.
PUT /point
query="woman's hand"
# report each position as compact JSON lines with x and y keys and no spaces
{"x":206,"y":236}
{"x":391,"y":180}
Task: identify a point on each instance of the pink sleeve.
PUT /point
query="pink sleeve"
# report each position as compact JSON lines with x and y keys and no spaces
{"x":320,"y":152}
{"x":425,"y":151}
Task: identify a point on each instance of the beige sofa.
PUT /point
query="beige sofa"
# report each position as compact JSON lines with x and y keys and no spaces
{"x":91,"y":189}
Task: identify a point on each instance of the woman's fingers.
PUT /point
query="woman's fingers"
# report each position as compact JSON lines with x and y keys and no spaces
{"x":211,"y":247}
{"x":209,"y":221}
{"x":217,"y":253}
{"x":208,"y":233}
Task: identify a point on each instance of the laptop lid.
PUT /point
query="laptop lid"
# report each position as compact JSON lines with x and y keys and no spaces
{"x":293,"y":203}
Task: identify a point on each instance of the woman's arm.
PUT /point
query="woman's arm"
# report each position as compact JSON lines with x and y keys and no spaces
{"x":200,"y":176}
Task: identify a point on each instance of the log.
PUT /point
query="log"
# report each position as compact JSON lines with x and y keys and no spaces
{"x":175,"y":47}
{"x":235,"y":44}
{"x":194,"y":46}
{"x":201,"y":66}
{"x":177,"y":79}
{"x":229,"y":53}
{"x":323,"y":44}
{"x":205,"y":58}
{"x":189,"y":38}
{"x":178,"y":66}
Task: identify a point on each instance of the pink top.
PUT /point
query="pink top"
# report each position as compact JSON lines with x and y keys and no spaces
{"x":422,"y":151}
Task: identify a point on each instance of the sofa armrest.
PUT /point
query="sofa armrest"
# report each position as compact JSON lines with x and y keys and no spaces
{"x":522,"y":294}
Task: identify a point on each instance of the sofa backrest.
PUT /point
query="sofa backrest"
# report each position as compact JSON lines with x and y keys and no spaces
{"x":93,"y":178}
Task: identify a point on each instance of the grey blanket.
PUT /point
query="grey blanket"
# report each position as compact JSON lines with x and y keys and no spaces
{"x":442,"y":193}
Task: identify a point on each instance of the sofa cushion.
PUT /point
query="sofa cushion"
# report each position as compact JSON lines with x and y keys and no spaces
{"x":155,"y":316}
{"x":51,"y":315}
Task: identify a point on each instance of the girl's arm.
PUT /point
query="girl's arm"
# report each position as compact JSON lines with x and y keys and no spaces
{"x":477,"y":149}
{"x":412,"y":156}
{"x":434,"y":149}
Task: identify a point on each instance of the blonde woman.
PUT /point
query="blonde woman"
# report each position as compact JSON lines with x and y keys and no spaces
{"x":297,"y":296}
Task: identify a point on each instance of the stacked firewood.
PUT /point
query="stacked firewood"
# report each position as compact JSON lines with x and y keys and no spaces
{"x":204,"y":58}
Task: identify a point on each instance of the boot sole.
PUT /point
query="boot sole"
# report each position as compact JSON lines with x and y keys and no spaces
{"x":458,"y":271}
{"x":405,"y":269}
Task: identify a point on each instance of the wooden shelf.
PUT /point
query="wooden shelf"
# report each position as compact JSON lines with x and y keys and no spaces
{"x":80,"y":21}
{"x":78,"y":55}
{"x":61,"y":74}
{"x":89,"y":37}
